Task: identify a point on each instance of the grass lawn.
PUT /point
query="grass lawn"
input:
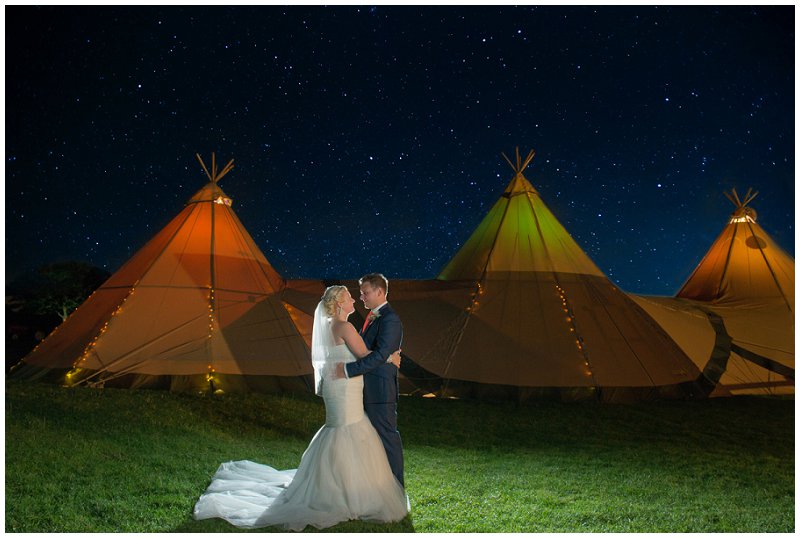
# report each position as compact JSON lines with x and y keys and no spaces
{"x":84,"y":460}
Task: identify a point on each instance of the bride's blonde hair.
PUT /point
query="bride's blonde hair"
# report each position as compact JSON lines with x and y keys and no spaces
{"x":331,"y":297}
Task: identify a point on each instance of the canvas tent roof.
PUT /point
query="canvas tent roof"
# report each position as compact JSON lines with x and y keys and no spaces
{"x":739,"y":349}
{"x":734,"y":316}
{"x":199,"y":304}
{"x":744,"y":264}
{"x":522,"y":309}
{"x":518,"y":235}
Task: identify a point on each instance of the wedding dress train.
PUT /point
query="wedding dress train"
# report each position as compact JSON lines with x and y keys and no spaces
{"x":343,"y":474}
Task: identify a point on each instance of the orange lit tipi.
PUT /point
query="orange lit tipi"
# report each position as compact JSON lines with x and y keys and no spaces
{"x":734,"y":316}
{"x":744,"y":265}
{"x":198,"y":308}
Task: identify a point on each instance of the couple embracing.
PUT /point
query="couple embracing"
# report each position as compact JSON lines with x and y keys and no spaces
{"x":353,"y":467}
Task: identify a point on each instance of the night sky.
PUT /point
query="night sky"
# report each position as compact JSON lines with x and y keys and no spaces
{"x":369,"y":138}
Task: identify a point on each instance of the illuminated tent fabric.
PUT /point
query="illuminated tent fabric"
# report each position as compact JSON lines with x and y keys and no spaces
{"x":521,"y":310}
{"x":740,"y":350}
{"x":198,"y":307}
{"x":743,"y":266}
{"x":734,"y":317}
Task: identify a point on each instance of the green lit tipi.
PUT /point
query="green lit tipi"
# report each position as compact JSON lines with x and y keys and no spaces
{"x":522,"y":309}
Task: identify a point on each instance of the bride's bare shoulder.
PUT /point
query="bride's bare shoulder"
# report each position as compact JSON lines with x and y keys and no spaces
{"x":341,"y":328}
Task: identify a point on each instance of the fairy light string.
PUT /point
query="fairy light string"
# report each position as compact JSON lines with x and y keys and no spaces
{"x":77,"y":366}
{"x":573,"y":329}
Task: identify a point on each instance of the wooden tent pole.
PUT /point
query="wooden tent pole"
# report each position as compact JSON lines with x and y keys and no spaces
{"x":214,"y":175}
{"x":750,"y":197}
{"x":729,"y":197}
{"x":508,"y":161}
{"x":203,"y":165}
{"x":521,"y":165}
{"x":738,"y":201}
{"x":528,"y":160}
{"x":228,"y":168}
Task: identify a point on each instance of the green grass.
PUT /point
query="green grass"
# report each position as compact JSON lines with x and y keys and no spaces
{"x":110,"y":460}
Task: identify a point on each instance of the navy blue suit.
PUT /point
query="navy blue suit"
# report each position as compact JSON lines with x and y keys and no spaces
{"x":382,"y":337}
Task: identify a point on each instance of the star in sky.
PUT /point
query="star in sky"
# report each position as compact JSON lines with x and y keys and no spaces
{"x":370,"y":138}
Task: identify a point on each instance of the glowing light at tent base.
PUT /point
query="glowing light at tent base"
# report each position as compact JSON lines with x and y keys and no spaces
{"x":71,"y":377}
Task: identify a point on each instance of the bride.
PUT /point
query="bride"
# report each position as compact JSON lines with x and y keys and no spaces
{"x":343,"y":474}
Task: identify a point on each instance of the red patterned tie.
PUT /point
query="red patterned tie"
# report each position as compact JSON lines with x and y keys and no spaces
{"x":366,"y":321}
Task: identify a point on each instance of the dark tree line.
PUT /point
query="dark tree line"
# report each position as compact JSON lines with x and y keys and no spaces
{"x":57,"y":288}
{"x":38,"y":301}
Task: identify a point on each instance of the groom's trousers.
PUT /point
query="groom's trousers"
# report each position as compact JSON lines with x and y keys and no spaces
{"x":384,"y":418}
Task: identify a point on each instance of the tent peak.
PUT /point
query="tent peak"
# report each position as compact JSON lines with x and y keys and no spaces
{"x":519,"y":184}
{"x":215,"y":175}
{"x":742,"y":213}
{"x":521,"y":165}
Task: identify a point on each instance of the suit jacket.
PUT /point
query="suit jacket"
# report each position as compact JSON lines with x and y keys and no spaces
{"x":383,"y":337}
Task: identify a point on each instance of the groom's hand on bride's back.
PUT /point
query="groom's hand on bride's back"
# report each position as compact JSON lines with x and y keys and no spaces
{"x":338,"y":370}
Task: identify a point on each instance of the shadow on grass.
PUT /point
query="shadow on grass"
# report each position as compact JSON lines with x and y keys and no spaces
{"x":219,"y":525}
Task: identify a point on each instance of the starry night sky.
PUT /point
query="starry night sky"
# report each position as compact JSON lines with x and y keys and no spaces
{"x":369,"y":138}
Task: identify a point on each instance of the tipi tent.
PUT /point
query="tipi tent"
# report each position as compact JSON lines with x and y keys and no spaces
{"x":744,"y":265}
{"x":197,"y":308}
{"x":521,"y":310}
{"x":734,"y":316}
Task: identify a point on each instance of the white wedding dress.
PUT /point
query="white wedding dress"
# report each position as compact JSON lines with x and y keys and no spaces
{"x":343,"y":474}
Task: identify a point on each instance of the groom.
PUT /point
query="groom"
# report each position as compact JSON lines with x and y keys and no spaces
{"x":382,"y":333}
